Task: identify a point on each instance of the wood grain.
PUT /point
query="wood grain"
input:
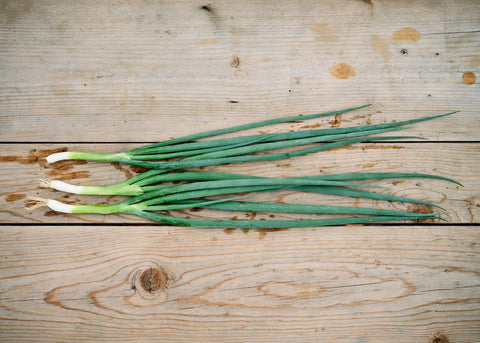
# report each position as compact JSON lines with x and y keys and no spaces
{"x":351,"y":284}
{"x":112,"y":75}
{"x":124,"y":72}
{"x":457,"y":161}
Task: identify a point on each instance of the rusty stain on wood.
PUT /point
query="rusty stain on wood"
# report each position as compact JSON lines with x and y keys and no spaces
{"x":343,"y":71}
{"x":337,"y":121}
{"x":469,"y":78}
{"x":406,"y":34}
{"x":263,"y":232}
{"x":438,"y":338}
{"x":14,"y":197}
{"x":124,"y":169}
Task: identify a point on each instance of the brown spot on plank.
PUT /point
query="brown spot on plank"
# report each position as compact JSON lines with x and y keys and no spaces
{"x":438,"y":338}
{"x":337,"y":121}
{"x":421,"y":208}
{"x":235,"y":63}
{"x":196,"y":209}
{"x":228,"y":231}
{"x":284,"y":165}
{"x":313,"y":126}
{"x":469,"y":78}
{"x":14,"y":197}
{"x":263,"y":232}
{"x":64,"y":167}
{"x":120,"y":167}
{"x":368,"y":2}
{"x":324,"y":32}
{"x":61,"y":175}
{"x":297,"y":79}
{"x":153,"y":280}
{"x":406,"y":34}
{"x":208,"y":41}
{"x":51,"y":214}
{"x":343,"y":71}
{"x":34,"y":156}
{"x":137,"y":170}
{"x":245,"y":231}
{"x":207,"y":8}
{"x":381,"y":46}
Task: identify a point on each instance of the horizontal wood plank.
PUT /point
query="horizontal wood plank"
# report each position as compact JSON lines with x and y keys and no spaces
{"x":363,"y":284}
{"x":137,"y":72}
{"x":457,"y":161}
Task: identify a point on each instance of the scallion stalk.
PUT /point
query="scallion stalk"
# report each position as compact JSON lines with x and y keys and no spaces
{"x":144,"y":208}
{"x":172,"y":148}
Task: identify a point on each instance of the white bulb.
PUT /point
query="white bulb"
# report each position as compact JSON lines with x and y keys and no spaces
{"x":59,"y":156}
{"x":59,"y":206}
{"x":65,"y":187}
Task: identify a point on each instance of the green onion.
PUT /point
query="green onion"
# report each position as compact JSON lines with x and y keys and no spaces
{"x":149,"y":195}
{"x":171,"y":148}
{"x":143,"y":209}
{"x":268,"y":224}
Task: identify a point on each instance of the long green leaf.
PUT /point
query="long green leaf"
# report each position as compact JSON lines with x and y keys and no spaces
{"x":249,"y":126}
{"x":267,"y":224}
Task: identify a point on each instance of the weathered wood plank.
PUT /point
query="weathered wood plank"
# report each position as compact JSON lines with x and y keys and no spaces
{"x":146,"y":71}
{"x":368,"y":284}
{"x":23,"y":166}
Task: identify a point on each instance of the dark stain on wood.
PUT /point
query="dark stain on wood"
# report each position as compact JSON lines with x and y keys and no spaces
{"x":337,"y":121}
{"x":421,"y":208}
{"x":34,"y":156}
{"x":137,"y":170}
{"x":228,"y":231}
{"x":438,"y":338}
{"x":235,"y":63}
{"x":312,"y":126}
{"x":153,"y":280}
{"x":14,"y":197}
{"x":60,"y":175}
{"x":51,"y":214}
{"x":207,"y":8}
{"x":263,"y":232}
{"x":61,"y":170}
{"x":120,"y":167}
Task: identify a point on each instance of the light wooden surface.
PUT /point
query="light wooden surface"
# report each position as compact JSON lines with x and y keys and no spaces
{"x":112,"y":75}
{"x":345,"y":284}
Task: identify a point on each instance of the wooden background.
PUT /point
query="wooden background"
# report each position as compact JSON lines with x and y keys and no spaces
{"x":110,"y":75}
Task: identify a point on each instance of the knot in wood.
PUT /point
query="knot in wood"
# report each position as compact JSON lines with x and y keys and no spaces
{"x":153,"y":279}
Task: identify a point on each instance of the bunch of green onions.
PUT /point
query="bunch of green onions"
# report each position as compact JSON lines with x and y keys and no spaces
{"x":149,"y":195}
